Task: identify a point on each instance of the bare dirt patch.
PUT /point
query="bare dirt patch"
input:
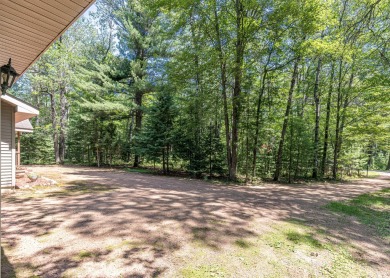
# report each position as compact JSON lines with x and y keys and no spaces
{"x":110,"y":223}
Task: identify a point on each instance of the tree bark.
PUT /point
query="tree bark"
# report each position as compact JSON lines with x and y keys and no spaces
{"x":138,"y":100}
{"x":258,"y":109}
{"x":168,"y":148}
{"x":344,"y":112}
{"x":63,"y":119}
{"x":222,"y":64}
{"x":97,"y":142}
{"x":338,"y":109}
{"x":317,"y":119}
{"x":327,"y":120}
{"x":54,"y":123}
{"x":138,"y":122}
{"x":342,"y":105}
{"x":164,"y":167}
{"x":197,"y":130}
{"x":239,"y":55}
{"x":278,"y":166}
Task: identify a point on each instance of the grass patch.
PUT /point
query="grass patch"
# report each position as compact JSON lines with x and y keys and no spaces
{"x":303,"y":238}
{"x":372,"y":209}
{"x":242,"y":243}
{"x":17,"y":270}
{"x":294,"y":235}
{"x":85,"y":254}
{"x":310,"y":249}
{"x":290,"y":248}
{"x":124,"y":244}
{"x":344,"y":208}
{"x":200,"y":233}
{"x":73,"y":189}
{"x":345,"y":265}
{"x":44,"y":237}
{"x":204,"y":271}
{"x":139,"y":170}
{"x":83,"y":188}
{"x":363,"y":174}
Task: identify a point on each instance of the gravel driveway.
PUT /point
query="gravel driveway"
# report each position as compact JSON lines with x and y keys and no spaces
{"x":111,"y":223}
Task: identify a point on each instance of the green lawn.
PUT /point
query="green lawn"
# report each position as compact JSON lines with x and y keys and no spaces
{"x":371,"y":209}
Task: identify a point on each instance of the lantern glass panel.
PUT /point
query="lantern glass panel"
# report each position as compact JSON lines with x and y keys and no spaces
{"x":3,"y":78}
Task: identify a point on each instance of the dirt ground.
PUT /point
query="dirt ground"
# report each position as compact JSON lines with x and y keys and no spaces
{"x":111,"y":223}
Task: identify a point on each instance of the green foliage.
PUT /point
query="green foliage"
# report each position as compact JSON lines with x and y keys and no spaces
{"x":164,"y":81}
{"x":156,"y":141}
{"x":37,"y":147}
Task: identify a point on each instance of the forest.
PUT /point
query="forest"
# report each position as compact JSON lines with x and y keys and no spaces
{"x":242,"y":89}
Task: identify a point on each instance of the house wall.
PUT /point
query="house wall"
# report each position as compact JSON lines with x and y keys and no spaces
{"x":7,"y":151}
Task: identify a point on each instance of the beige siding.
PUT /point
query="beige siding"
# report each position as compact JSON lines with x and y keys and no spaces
{"x":7,"y":174}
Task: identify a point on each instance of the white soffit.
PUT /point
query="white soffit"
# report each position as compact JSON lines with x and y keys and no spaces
{"x":29,"y":27}
{"x":23,"y":110}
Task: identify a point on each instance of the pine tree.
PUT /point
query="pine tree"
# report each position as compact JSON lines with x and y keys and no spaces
{"x":157,"y":138}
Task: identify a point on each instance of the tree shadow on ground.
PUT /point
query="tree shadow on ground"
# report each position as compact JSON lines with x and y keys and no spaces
{"x":163,"y":214}
{"x":7,"y":269}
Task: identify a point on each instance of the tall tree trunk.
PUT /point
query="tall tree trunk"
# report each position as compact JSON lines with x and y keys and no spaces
{"x":278,"y":166}
{"x":247,"y":134}
{"x":138,"y":122}
{"x":164,"y":163}
{"x":342,"y":105}
{"x":130,"y":136}
{"x":317,"y":119}
{"x":210,"y":151}
{"x":138,"y":101}
{"x":338,"y":109}
{"x":197,"y":130}
{"x":344,"y":112}
{"x":290,"y":150}
{"x":222,"y":64}
{"x":327,"y":120}
{"x":258,"y":109}
{"x":97,"y":141}
{"x":168,"y":147}
{"x":388,"y":164}
{"x":63,"y":120}
{"x":54,"y":126}
{"x":239,"y":55}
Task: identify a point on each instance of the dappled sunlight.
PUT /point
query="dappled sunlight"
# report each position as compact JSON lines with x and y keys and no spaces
{"x":140,"y":223}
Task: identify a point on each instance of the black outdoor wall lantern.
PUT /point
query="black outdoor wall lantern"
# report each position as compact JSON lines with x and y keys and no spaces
{"x":7,"y":76}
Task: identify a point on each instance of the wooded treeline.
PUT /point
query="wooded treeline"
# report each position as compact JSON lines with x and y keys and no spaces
{"x":240,"y":88}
